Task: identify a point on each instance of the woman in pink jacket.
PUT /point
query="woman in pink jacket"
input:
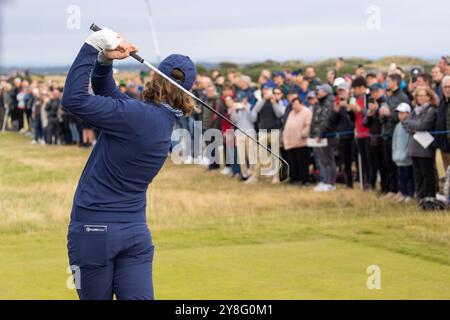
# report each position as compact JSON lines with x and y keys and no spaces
{"x":295,"y":135}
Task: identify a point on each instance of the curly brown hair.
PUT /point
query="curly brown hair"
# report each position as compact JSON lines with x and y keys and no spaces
{"x":160,"y":90}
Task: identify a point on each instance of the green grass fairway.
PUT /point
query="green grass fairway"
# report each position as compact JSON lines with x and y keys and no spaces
{"x":219,"y":239}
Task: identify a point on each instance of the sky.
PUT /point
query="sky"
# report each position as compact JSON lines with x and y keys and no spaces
{"x":35,"y":33}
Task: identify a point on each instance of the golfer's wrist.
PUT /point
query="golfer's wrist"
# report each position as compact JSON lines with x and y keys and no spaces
{"x":102,"y":60}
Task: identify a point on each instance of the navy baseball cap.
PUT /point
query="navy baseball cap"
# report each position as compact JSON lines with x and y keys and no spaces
{"x":376,"y":86}
{"x":184,"y":64}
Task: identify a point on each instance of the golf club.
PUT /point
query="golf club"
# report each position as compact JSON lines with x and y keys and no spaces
{"x":284,"y":166}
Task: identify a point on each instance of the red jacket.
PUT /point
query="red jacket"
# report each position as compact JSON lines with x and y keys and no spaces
{"x":360,"y":130}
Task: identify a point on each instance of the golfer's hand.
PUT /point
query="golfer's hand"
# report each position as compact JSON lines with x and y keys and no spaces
{"x":104,"y":39}
{"x":122,"y":51}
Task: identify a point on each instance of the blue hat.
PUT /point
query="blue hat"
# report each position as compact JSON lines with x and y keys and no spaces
{"x":280,"y":74}
{"x":267,"y":85}
{"x":376,"y":86}
{"x":183,"y":63}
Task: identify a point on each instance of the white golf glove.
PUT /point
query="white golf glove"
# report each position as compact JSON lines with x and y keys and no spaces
{"x":104,"y":39}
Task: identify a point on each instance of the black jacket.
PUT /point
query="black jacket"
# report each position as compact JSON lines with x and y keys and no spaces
{"x":343,"y":123}
{"x":442,"y":123}
{"x":321,"y":126}
{"x":374,"y":124}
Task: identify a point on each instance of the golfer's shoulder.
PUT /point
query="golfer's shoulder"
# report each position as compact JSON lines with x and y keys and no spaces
{"x":138,"y":111}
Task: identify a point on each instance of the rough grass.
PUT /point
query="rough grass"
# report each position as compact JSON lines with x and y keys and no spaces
{"x":203,"y":221}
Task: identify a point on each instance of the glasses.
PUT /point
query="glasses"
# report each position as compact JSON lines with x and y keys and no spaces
{"x":422,"y":95}
{"x":446,"y":87}
{"x":277,"y":93}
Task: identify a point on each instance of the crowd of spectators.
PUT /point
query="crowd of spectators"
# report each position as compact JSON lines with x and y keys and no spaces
{"x":367,"y":126}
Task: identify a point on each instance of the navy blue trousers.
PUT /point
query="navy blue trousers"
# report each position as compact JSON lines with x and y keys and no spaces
{"x":111,"y":259}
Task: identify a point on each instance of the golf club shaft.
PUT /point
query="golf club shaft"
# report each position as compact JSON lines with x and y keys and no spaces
{"x":94,"y":27}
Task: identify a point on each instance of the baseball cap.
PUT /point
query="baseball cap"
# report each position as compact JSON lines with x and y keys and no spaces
{"x":338,"y":81}
{"x":325,"y":88}
{"x":280,"y":74}
{"x":343,"y":86}
{"x":376,"y":86}
{"x":184,"y":64}
{"x":310,"y":94}
{"x":403,"y":107}
{"x":297,"y":72}
{"x":416,"y":71}
{"x":267,"y":86}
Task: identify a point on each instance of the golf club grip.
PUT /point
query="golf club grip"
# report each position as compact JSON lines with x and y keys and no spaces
{"x":95,"y":28}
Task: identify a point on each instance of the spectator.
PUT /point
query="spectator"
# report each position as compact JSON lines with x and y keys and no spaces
{"x":22,"y":97}
{"x":345,"y":127}
{"x":280,"y":83}
{"x":52,"y":108}
{"x":423,"y":119}
{"x":376,"y":102}
{"x":359,"y":71}
{"x":444,"y":65}
{"x":389,"y":120}
{"x":246,"y":149}
{"x":424,"y":80}
{"x":310,"y":76}
{"x":269,"y":111}
{"x":6,"y":103}
{"x":295,"y":134}
{"x":357,"y":108}
{"x":210,"y":121}
{"x":16,"y":119}
{"x":371,"y":78}
{"x":225,"y":109}
{"x":265,"y":78}
{"x":245,"y":90}
{"x":400,"y":143}
{"x":321,"y":129}
{"x":331,"y":76}
{"x":443,"y":122}
{"x":437,"y":77}
{"x":36,"y":111}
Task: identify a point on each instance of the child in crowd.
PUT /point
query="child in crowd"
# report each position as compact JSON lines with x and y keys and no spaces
{"x":400,"y":142}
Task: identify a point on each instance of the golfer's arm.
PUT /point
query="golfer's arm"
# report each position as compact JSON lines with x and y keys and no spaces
{"x":103,"y":83}
{"x":105,"y":113}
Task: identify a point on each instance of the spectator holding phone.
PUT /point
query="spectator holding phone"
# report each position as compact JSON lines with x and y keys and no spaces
{"x":344,"y":124}
{"x":372,"y":121}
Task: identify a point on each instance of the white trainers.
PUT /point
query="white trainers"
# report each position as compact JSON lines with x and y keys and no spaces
{"x":188,"y":160}
{"x":251,"y":180}
{"x":408,"y":200}
{"x":318,"y":187}
{"x":205,"y":162}
{"x":398,"y":196}
{"x":226,"y":171}
{"x":198,"y":160}
{"x":388,"y":195}
{"x":324,"y":187}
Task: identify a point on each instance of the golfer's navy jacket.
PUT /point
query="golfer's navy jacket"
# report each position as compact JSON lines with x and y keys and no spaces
{"x":131,"y":149}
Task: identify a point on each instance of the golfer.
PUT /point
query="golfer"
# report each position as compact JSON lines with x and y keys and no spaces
{"x":109,"y":244}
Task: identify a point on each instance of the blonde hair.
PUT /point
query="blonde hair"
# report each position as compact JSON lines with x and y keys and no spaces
{"x":434,"y":100}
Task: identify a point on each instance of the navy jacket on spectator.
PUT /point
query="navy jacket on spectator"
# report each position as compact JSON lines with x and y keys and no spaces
{"x":131,"y":149}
